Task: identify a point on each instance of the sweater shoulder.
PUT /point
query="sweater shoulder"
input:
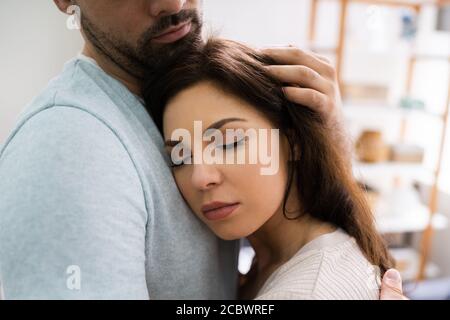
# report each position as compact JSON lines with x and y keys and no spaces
{"x":330,"y":273}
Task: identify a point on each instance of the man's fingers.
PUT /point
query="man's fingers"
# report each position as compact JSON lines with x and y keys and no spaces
{"x":302,"y":76}
{"x":323,"y":58}
{"x":308,"y":97}
{"x":391,"y":286}
{"x":295,"y":56}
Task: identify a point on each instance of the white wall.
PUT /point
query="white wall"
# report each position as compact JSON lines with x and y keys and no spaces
{"x":259,"y":22}
{"x":34,"y":44}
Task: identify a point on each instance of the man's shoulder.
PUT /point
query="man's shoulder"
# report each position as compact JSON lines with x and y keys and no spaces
{"x":63,"y":136}
{"x":80,"y":101}
{"x":59,"y":129}
{"x":83,"y":86}
{"x":74,"y":115}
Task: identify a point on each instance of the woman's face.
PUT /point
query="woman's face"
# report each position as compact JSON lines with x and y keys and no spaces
{"x":234,"y":200}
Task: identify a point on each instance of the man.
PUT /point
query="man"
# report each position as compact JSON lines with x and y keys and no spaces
{"x":88,"y":206}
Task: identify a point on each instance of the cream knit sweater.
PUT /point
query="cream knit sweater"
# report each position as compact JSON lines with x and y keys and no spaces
{"x":330,"y":267}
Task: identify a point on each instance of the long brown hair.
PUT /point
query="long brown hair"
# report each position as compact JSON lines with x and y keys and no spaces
{"x":326,"y":188}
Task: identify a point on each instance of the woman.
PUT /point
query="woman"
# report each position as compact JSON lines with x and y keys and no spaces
{"x":308,"y":222}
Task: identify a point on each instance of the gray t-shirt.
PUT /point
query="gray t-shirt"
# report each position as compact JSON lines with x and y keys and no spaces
{"x":88,"y":205}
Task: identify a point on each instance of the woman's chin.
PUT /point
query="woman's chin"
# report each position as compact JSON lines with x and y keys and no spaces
{"x":228,"y":235}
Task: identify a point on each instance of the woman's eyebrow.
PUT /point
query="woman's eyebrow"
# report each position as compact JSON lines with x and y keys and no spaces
{"x":219,"y":124}
{"x":171,"y":143}
{"x":216,"y":125}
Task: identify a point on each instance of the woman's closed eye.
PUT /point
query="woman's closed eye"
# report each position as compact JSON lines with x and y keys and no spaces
{"x":188,"y":160}
{"x":233,"y":144}
{"x":182,"y":162}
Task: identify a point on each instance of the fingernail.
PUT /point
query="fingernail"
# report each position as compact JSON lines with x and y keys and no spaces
{"x":393,"y":275}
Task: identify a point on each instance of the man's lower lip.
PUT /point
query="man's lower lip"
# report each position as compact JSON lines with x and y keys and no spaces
{"x":175,"y":35}
{"x":221,"y":213}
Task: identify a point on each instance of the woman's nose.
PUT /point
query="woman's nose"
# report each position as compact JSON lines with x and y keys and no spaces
{"x":205,"y":177}
{"x":166,"y":7}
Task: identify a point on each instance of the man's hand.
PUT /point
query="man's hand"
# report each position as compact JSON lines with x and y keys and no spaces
{"x":391,"y":286}
{"x":312,"y":82}
{"x":312,"y":79}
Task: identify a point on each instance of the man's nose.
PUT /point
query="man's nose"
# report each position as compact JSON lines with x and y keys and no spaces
{"x":166,"y":7}
{"x":205,"y":176}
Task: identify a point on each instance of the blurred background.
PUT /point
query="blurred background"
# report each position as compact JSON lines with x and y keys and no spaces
{"x":393,"y":61}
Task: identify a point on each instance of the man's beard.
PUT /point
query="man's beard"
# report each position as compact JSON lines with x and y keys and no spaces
{"x":145,"y":56}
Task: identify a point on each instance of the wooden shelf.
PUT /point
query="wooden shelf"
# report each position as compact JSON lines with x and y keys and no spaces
{"x":426,"y":56}
{"x":401,"y":210}
{"x":389,"y":169}
{"x":408,"y":263}
{"x":416,"y":5}
{"x":414,"y":221}
{"x":382,"y":109}
{"x":400,"y":3}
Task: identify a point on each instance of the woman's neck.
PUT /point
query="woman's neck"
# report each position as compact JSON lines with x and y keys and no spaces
{"x":279,"y":239}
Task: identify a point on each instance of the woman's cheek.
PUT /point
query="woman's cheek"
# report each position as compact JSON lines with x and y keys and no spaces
{"x":183,"y":181}
{"x":268,"y":192}
{"x":260,"y":193}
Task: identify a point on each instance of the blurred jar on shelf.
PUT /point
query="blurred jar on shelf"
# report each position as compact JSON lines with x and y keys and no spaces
{"x":370,"y":147}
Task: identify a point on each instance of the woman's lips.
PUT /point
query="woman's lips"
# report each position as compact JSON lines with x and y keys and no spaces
{"x":174,"y":34}
{"x":218,"y":211}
